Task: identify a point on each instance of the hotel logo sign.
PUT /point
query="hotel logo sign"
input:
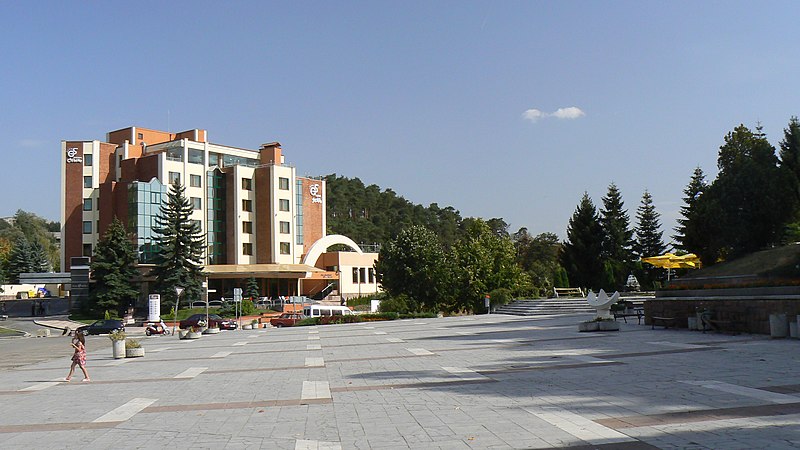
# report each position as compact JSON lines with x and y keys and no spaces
{"x":72,"y":157}
{"x":316,"y":197}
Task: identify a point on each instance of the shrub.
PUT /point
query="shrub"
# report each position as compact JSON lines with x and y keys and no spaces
{"x":500,"y":296}
{"x":340,"y":319}
{"x":308,"y":322}
{"x":419,"y":315}
{"x":117,"y":335}
{"x":380,"y":316}
{"x":399,"y":304}
{"x":132,"y":343}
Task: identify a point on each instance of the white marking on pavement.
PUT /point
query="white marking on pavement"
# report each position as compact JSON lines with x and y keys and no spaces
{"x":303,"y":444}
{"x":369,"y":328}
{"x":395,"y":340}
{"x":420,"y":323}
{"x":464,"y":373}
{"x":240,"y":343}
{"x":773,"y":397}
{"x":419,"y":351}
{"x":677,"y":344}
{"x":315,"y":362}
{"x":126,"y":411}
{"x":43,"y":385}
{"x":313,"y":347}
{"x":581,"y":427}
{"x":589,"y":359}
{"x":313,"y":338}
{"x":117,"y":362}
{"x":252,"y":336}
{"x":380,"y":332}
{"x":153,"y":350}
{"x":315,"y":389}
{"x":313,"y":331}
{"x":504,"y":341}
{"x":191,"y":372}
{"x":220,"y":354}
{"x":464,"y":333}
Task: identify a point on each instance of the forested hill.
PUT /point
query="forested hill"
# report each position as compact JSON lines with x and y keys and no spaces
{"x":368,"y":215}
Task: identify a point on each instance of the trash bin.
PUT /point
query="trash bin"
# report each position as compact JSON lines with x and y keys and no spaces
{"x":778,"y":326}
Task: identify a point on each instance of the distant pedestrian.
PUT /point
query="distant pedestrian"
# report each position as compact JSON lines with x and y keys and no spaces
{"x":79,"y":357}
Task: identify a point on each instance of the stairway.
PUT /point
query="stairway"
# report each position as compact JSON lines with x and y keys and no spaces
{"x":546,"y":306}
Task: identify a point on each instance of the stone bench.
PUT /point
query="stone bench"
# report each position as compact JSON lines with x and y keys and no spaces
{"x":666,"y":322}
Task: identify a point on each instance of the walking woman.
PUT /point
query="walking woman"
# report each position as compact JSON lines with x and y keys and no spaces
{"x":79,"y":357}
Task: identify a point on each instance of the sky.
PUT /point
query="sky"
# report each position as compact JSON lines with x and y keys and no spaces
{"x":507,"y":109}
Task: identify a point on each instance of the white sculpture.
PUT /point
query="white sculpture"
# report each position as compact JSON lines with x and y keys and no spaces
{"x":602,"y":303}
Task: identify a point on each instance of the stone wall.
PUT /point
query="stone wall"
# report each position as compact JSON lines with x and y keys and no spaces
{"x":754,"y":312}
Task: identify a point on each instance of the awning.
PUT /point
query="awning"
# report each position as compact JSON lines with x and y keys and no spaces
{"x":260,"y":270}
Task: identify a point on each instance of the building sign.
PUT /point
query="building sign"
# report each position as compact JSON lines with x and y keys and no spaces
{"x":154,"y":308}
{"x":316,"y":197}
{"x":72,"y":157}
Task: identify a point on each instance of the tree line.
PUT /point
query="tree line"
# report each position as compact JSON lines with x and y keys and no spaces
{"x":27,"y":245}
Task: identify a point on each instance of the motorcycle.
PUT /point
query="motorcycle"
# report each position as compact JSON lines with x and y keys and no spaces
{"x":156,"y":328}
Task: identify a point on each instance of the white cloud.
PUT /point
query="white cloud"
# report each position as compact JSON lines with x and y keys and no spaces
{"x":568,"y":113}
{"x":572,"y":112}
{"x":533,"y":115}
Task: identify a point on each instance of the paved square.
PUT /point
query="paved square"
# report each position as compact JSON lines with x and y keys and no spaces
{"x":461,"y":382}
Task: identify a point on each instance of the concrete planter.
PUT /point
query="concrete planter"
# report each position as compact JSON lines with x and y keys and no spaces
{"x":211,"y":331}
{"x":118,"y":349}
{"x":692,"y":322}
{"x":188,"y":334}
{"x":793,"y":330}
{"x":608,"y":325}
{"x":588,"y":326}
{"x":134,"y":352}
{"x":247,"y":327}
{"x":778,"y":326}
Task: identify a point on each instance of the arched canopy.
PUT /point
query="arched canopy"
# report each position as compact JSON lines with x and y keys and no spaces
{"x":321,"y":246}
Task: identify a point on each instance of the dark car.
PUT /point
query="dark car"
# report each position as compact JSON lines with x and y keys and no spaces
{"x":286,"y":320}
{"x":102,"y":327}
{"x":214,"y":321}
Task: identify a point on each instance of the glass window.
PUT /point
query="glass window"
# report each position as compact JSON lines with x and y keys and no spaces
{"x":285,"y":248}
{"x":247,"y":184}
{"x":87,"y":227}
{"x":195,"y":180}
{"x":247,"y":227}
{"x":362,"y":273}
{"x":174,"y":178}
{"x":247,"y":205}
{"x":283,"y":183}
{"x":87,"y":159}
{"x":87,"y":249}
{"x":87,"y":204}
{"x":87,"y":182}
{"x":197,"y":203}
{"x":139,"y":136}
{"x":197,"y":225}
{"x":285,"y":227}
{"x":355,"y":275}
{"x":247,"y":249}
{"x":213,"y":159}
{"x":371,"y":275}
{"x":284,"y":204}
{"x":175,"y":154}
{"x":196,"y":156}
{"x":155,"y":197}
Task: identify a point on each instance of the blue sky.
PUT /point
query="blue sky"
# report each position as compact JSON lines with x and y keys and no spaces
{"x":499,"y":109}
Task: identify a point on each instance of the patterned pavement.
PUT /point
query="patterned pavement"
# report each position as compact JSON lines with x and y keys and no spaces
{"x":453,"y":383}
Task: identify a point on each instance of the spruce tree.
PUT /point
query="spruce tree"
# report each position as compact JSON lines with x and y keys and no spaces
{"x":178,"y":262}
{"x":617,"y":239}
{"x":19,"y":260}
{"x":790,"y":165}
{"x":649,"y":241}
{"x":685,"y":237}
{"x":114,"y":271}
{"x":251,"y":291}
{"x":581,"y":253}
{"x":39,"y":262}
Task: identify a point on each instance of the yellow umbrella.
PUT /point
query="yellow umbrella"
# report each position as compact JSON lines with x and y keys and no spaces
{"x":671,"y":261}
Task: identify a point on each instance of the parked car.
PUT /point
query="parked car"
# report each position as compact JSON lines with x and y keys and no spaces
{"x":102,"y":327}
{"x":214,"y":321}
{"x":286,"y":320}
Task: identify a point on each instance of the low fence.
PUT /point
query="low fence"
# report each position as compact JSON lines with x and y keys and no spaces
{"x":35,"y":307}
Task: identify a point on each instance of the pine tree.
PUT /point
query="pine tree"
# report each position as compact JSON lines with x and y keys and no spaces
{"x":581,"y":253}
{"x":251,"y":291}
{"x":19,"y":260}
{"x":180,"y":253}
{"x":685,"y":238}
{"x":114,"y":271}
{"x":617,"y":239}
{"x":790,"y":165}
{"x":649,"y":241}
{"x":39,"y":261}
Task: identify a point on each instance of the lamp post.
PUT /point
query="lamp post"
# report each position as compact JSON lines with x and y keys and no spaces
{"x":178,"y":291}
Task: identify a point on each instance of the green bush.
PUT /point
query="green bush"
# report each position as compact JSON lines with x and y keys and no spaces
{"x":380,"y":316}
{"x":309,"y":321}
{"x":340,"y":319}
{"x":501,"y":296}
{"x":229,"y":310}
{"x":361,"y":301}
{"x":419,"y":315}
{"x":400,"y":304}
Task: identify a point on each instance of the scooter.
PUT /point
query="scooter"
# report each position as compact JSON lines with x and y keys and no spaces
{"x":156,"y":328}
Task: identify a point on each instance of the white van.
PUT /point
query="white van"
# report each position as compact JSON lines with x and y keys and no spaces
{"x":326,"y":310}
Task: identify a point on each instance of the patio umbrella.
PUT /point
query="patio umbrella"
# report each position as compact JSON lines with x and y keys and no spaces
{"x":672,"y":261}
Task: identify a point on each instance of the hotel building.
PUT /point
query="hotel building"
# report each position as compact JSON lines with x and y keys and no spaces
{"x":259,"y":218}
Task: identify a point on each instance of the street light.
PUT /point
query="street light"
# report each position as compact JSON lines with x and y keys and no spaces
{"x":179,"y":291}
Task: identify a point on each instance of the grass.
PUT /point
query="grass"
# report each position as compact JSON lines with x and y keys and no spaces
{"x":775,"y":262}
{"x":8,"y":332}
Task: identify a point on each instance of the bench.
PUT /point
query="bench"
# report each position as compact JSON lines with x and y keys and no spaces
{"x":569,"y":292}
{"x":625,"y":310}
{"x":3,"y":316}
{"x":710,"y":322}
{"x":664,"y":321}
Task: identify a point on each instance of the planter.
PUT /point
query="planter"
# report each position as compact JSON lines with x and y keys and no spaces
{"x":588,"y":326}
{"x":692,"y":322}
{"x":793,"y":329}
{"x":247,"y":327}
{"x":193,"y":335}
{"x":182,"y":334}
{"x":778,"y":326}
{"x":608,"y":325}
{"x":137,"y":352}
{"x":211,"y":331}
{"x":118,"y":349}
